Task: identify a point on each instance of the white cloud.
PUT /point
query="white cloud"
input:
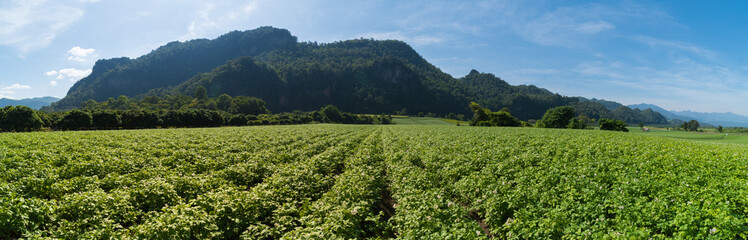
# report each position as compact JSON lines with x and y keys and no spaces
{"x":217,"y":16}
{"x":30,"y":25}
{"x":16,"y":86}
{"x":79,"y":54}
{"x":71,"y":74}
{"x":53,"y":83}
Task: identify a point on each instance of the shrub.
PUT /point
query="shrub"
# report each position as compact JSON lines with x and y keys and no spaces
{"x":558,"y":117}
{"x":613,"y":125}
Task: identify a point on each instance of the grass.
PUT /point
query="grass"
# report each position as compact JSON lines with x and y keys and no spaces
{"x":405,"y":120}
{"x":730,"y":138}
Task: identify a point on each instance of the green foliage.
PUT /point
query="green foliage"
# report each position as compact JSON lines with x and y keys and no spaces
{"x":19,"y":119}
{"x":106,"y":120}
{"x":613,"y":125}
{"x":138,"y":116}
{"x":692,"y":125}
{"x":75,"y":120}
{"x":201,"y":93}
{"x":484,"y":117}
{"x":576,"y":123}
{"x":558,"y":117}
{"x":368,"y":182}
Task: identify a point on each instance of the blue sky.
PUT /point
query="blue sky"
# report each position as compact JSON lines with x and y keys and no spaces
{"x":680,"y":55}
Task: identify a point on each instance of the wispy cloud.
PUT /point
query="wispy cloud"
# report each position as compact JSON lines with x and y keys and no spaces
{"x":30,"y":25}
{"x":566,"y":27}
{"x":16,"y":86}
{"x":576,"y":26}
{"x":677,"y":45}
{"x":601,"y":69}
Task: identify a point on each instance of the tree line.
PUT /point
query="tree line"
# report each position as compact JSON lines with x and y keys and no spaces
{"x":558,"y":117}
{"x":24,"y":119}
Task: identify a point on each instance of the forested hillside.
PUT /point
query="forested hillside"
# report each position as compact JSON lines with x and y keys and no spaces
{"x":359,"y":76}
{"x":170,"y":64}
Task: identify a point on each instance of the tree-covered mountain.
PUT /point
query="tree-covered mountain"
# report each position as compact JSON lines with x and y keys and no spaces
{"x":359,"y":76}
{"x":171,"y":64}
{"x":34,"y":103}
{"x":608,"y":104}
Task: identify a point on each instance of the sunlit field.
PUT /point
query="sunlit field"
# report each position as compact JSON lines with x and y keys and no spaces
{"x":355,"y":181}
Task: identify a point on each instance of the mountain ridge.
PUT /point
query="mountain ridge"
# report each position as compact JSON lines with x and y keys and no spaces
{"x":35,"y":103}
{"x":358,"y":75}
{"x":727,"y":119}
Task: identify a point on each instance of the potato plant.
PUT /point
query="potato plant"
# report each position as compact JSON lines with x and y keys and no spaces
{"x":369,"y":182}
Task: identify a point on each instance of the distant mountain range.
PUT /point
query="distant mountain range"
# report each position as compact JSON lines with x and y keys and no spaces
{"x":727,"y":119}
{"x":34,"y":103}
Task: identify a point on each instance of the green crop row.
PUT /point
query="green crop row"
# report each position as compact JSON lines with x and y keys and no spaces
{"x":356,"y":182}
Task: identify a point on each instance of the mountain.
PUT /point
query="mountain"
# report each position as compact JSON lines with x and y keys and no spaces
{"x":668,"y":114}
{"x":599,"y":108}
{"x":359,"y":76}
{"x":608,"y":104}
{"x":725,"y":119}
{"x":34,"y":103}
{"x":171,"y":64}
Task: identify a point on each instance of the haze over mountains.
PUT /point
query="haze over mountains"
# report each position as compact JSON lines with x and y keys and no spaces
{"x":727,"y":119}
{"x":360,"y":76}
{"x":34,"y":103}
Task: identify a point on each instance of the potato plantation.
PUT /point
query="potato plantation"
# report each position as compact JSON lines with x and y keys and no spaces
{"x":355,"y":181}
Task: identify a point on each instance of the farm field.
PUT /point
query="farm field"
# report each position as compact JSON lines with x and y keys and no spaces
{"x":400,"y":120}
{"x":355,"y":181}
{"x":731,"y":138}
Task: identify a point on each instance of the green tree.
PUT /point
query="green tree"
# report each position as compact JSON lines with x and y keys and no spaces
{"x":224,"y":102}
{"x":484,"y":117}
{"x":479,"y":114}
{"x":613,"y":125}
{"x":75,"y":120}
{"x":692,"y":125}
{"x":20,"y":119}
{"x":558,"y":117}
{"x":331,"y":114}
{"x":719,"y":128}
{"x":248,"y":105}
{"x":576,"y":123}
{"x":90,"y":105}
{"x":201,"y":93}
{"x":106,"y":120}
